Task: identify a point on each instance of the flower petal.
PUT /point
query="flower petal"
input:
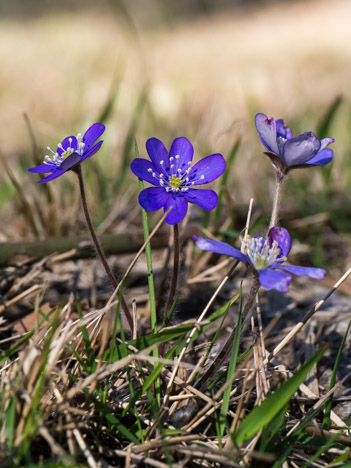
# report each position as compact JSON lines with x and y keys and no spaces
{"x":66,"y":143}
{"x":301,"y":149}
{"x":267,"y":131}
{"x":283,"y":130}
{"x":182,"y":152}
{"x":157,"y":152}
{"x":70,"y":162}
{"x":153,"y":198}
{"x":325,"y":142}
{"x":272,"y":279}
{"x":92,"y":151}
{"x":42,"y":168}
{"x":315,"y":273}
{"x":322,"y":157}
{"x":52,"y":176}
{"x":206,"y":199}
{"x":140,"y":167}
{"x":207,"y":170}
{"x":92,"y":134}
{"x":221,"y":248}
{"x":283,"y":239}
{"x":179,"y":208}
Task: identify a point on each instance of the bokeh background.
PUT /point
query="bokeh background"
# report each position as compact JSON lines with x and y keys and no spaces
{"x":199,"y":69}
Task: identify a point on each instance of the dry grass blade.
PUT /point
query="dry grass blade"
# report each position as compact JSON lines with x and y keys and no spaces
{"x":314,"y":309}
{"x":319,"y":403}
{"x":21,"y":296}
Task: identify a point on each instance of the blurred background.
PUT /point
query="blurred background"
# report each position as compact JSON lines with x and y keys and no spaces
{"x":199,"y":69}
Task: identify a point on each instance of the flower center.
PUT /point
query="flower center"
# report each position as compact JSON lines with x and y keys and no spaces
{"x":281,"y":142}
{"x":175,"y":182}
{"x":261,"y":253}
{"x":174,"y":179}
{"x":58,"y":159}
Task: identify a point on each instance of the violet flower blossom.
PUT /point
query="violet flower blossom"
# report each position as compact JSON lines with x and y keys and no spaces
{"x":174,"y":178}
{"x":265,"y":257}
{"x":287,"y":152}
{"x":70,"y":152}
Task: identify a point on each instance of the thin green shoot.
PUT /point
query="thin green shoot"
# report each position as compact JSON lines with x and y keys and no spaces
{"x":329,"y":402}
{"x":264,"y":414}
{"x":170,"y":313}
{"x":231,"y":371}
{"x":224,"y":178}
{"x":128,"y":145}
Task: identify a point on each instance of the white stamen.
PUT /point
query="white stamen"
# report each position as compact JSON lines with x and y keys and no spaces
{"x":261,"y":253}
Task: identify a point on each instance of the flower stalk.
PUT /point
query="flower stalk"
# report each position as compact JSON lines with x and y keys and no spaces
{"x":175,"y":272}
{"x":78,"y":170}
{"x":276,"y":199}
{"x":226,"y":348}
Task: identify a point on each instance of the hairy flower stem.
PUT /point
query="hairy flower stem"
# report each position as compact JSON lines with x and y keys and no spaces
{"x":78,"y":171}
{"x":226,"y":348}
{"x":175,"y":273}
{"x":276,"y":200}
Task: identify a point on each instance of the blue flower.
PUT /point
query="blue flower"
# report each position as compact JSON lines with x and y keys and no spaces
{"x":174,"y":178}
{"x":288,"y":152}
{"x":265,"y":257}
{"x":70,"y":152}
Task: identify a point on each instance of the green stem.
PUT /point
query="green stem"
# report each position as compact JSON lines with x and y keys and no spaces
{"x":78,"y":171}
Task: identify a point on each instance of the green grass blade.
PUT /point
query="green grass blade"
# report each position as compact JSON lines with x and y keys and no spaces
{"x":10,"y":423}
{"x":169,"y":334}
{"x":328,"y":407}
{"x":128,"y":145}
{"x":324,"y":126}
{"x":150,"y":275}
{"x":224,"y":374}
{"x":224,"y":178}
{"x":24,"y":339}
{"x":267,"y":411}
{"x":230,"y":372}
{"x":114,"y":420}
{"x":323,"y":131}
{"x":106,"y":111}
{"x":322,"y":450}
{"x":149,"y":381}
{"x":270,"y":432}
{"x":91,"y":365}
{"x":170,"y":313}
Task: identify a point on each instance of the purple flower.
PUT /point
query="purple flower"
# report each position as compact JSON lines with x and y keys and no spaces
{"x":72,"y":151}
{"x":174,"y":178}
{"x":287,"y":152}
{"x":266,"y":257}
